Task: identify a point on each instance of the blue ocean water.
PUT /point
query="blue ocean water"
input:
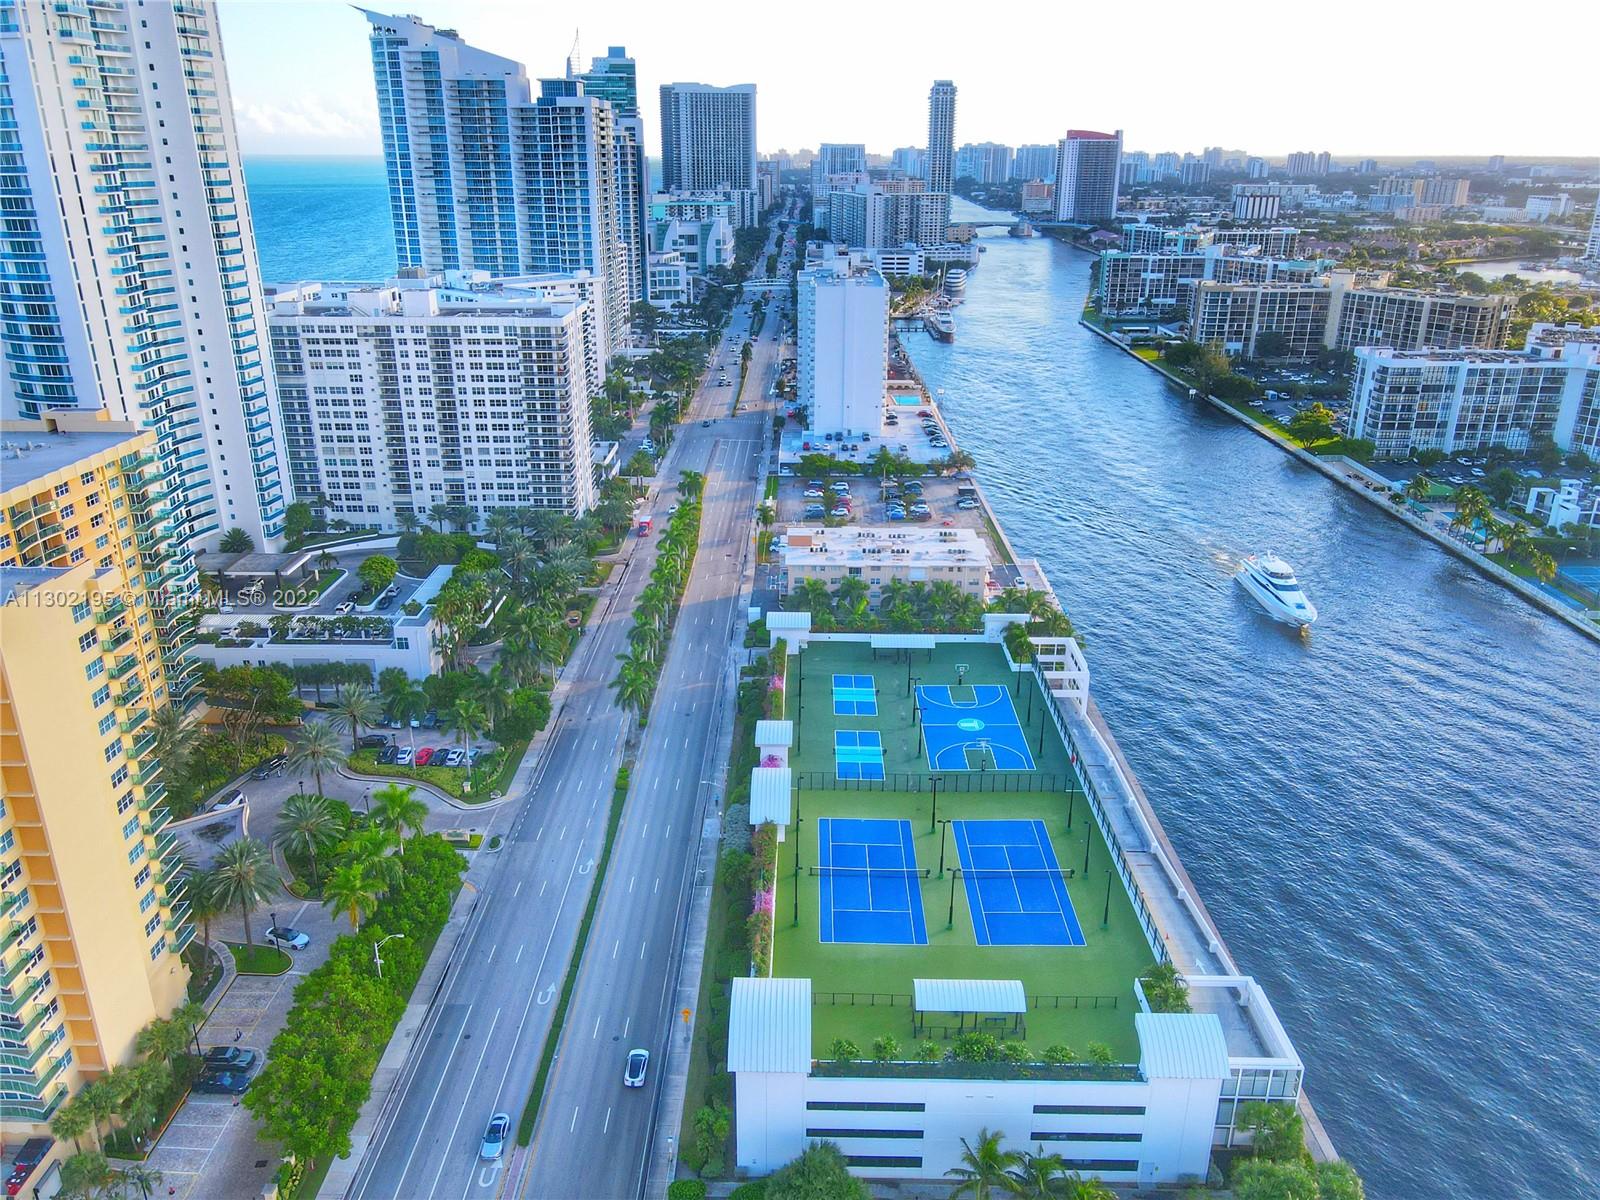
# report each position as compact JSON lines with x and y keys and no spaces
{"x":1396,"y":822}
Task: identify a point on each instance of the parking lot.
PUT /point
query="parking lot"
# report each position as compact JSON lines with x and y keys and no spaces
{"x":870,"y":499}
{"x":902,"y":431}
{"x":270,"y":600}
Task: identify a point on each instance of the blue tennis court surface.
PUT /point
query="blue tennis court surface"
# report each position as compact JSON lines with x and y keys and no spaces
{"x":1584,"y":575}
{"x":987,"y":722}
{"x":857,"y":754}
{"x":1014,"y":885}
{"x":869,"y":888}
{"x":854,"y":696}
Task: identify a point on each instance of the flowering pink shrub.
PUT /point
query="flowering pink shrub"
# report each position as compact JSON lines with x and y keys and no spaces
{"x":772,"y":760}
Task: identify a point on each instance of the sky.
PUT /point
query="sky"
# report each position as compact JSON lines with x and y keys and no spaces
{"x":1369,"y":77}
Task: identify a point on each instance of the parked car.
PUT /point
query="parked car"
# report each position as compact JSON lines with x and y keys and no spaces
{"x":634,"y":1072}
{"x":839,"y":487}
{"x":494,"y":1137}
{"x":288,"y":935}
{"x":228,"y":1058}
{"x":839,"y":510}
{"x":424,"y":756}
{"x":896,"y":514}
{"x":456,"y":757}
{"x":372,"y":741}
{"x":967,"y":503}
{"x":474,"y":755}
{"x":387,"y":599}
{"x":430,"y":720}
{"x":389,"y":754}
{"x":813,"y":494}
{"x":344,"y":609}
{"x":404,"y":756}
{"x":225,"y":1083}
{"x":814,"y":511}
{"x":705,"y":424}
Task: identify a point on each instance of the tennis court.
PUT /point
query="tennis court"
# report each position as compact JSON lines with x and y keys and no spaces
{"x":854,"y":696}
{"x":1015,"y":890}
{"x":857,"y":754}
{"x":1584,"y":575}
{"x":960,"y":732}
{"x":869,"y":882}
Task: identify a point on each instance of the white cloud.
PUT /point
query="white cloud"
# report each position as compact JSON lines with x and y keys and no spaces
{"x":305,"y":120}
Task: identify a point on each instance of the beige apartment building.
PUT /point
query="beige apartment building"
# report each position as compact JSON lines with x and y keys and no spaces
{"x":880,"y":554}
{"x":92,"y":916}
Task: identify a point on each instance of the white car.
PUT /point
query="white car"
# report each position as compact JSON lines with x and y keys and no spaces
{"x":814,"y":493}
{"x":634,"y":1072}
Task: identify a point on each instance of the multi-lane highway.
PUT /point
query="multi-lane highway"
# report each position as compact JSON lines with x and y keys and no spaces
{"x":477,"y":1052}
{"x":594,"y":1134}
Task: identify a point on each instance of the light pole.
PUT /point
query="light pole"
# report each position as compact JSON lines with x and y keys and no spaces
{"x":943,"y":838}
{"x":934,"y":779}
{"x":376,"y":957}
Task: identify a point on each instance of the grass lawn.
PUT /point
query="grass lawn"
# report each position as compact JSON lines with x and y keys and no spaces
{"x":259,"y":959}
{"x":488,"y":776}
{"x":1078,"y":994}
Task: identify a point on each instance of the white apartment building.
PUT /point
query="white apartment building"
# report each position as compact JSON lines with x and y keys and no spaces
{"x":987,"y":162}
{"x":1257,"y":201}
{"x":834,"y":158}
{"x":881,"y":554}
{"x":131,"y":282}
{"x":1144,"y":238}
{"x":843,"y":347}
{"x":1592,"y":250}
{"x":886,"y":212}
{"x":1410,"y":319}
{"x":1087,"y":175}
{"x":1409,"y":400}
{"x":401,"y":395}
{"x":1152,"y":284}
{"x":671,"y":281}
{"x":909,"y":161}
{"x":738,"y":207}
{"x":1237,"y":316}
{"x":1548,"y":208}
{"x":708,"y":136}
{"x":701,"y":245}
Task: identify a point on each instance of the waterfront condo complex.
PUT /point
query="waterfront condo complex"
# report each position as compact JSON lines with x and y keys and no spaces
{"x":403,"y":395}
{"x":93,"y":916}
{"x":135,"y":260}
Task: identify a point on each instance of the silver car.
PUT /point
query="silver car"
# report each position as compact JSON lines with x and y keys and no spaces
{"x":494,"y":1137}
{"x":638,"y":1063}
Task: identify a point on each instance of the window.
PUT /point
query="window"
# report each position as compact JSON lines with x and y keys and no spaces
{"x":864,"y":1133}
{"x":119,"y":776}
{"x":130,"y":828}
{"x":865,"y":1106}
{"x":94,"y":669}
{"x":153,"y":924}
{"x":142,"y":878}
{"x":101,"y":695}
{"x":108,"y":723}
{"x":80,"y":611}
{"x":1037,"y":1136}
{"x":136,"y":853}
{"x":157,"y":949}
{"x":113,"y":748}
{"x":1090,"y":1110}
{"x":882,"y":1160}
{"x":147,"y":900}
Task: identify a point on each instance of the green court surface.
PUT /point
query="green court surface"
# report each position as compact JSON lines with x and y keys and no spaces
{"x":1078,"y":994}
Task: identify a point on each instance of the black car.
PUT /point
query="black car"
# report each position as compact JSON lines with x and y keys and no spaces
{"x":224,"y":1083}
{"x":373,"y":741}
{"x":273,"y":766}
{"x":388,"y":753}
{"x":222,"y":1059}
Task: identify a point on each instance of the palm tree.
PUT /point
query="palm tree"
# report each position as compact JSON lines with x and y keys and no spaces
{"x":1542,"y":565}
{"x":145,"y":1088}
{"x":351,"y":890}
{"x":493,"y":692}
{"x":317,"y":750}
{"x":163,"y":1040}
{"x":309,"y":825}
{"x":635,"y":683}
{"x":397,"y":809}
{"x":85,"y":1175}
{"x":189,"y":1016}
{"x":407,"y":521}
{"x":101,"y":1099}
{"x":236,"y":541}
{"x":176,"y":739}
{"x":205,"y":904}
{"x":812,"y":596}
{"x":1039,"y":1176}
{"x":1418,"y":488}
{"x":247,"y":877}
{"x":72,"y":1121}
{"x":407,"y":705}
{"x":439,"y":514}
{"x":466,"y":719}
{"x":850,"y":601}
{"x":146,"y":1179}
{"x":354,"y":705}
{"x":984,"y":1167}
{"x":516,"y":554}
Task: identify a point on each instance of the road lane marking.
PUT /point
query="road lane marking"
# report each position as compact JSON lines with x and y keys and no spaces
{"x":606,"y":1128}
{"x":642,"y":945}
{"x":519,"y":955}
{"x":596,"y":1032}
{"x":492,"y":949}
{"x":517,"y":891}
{"x":433,"y":1099}
{"x":631,"y":879}
{"x":543,"y":885}
{"x":562,"y":836}
{"x":656,"y":890}
{"x":482,"y":1054}
{"x":615,"y":948}
{"x":574,"y":1124}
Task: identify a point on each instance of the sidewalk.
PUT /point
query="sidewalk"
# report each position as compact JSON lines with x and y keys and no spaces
{"x":391,"y":1067}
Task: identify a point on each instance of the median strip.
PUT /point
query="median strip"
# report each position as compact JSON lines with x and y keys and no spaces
{"x":530,"y":1112}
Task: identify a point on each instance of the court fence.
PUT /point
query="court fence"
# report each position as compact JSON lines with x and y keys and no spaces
{"x":904,"y":1000}
{"x":954,"y":1069}
{"x":955,"y":782}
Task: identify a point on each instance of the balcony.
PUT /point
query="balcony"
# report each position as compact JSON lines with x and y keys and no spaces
{"x":180,"y":913}
{"x":24,"y":993}
{"x":143,"y":746}
{"x":111,"y":611}
{"x":159,"y":819}
{"x":123,"y":666}
{"x":137,"y":720}
{"x":164,"y":844}
{"x":19,"y":965}
{"x":37,"y":1112}
{"x":181,"y":942}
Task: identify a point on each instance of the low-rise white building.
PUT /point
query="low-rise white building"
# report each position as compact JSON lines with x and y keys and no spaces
{"x":402,"y":395}
{"x":882,"y":554}
{"x":1573,"y":503}
{"x":701,"y":245}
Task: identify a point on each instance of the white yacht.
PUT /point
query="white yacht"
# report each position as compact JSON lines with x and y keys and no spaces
{"x":1271,"y":581}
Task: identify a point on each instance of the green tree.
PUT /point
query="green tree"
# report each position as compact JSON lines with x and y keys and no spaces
{"x":298,"y":520}
{"x":71,"y":1122}
{"x":1314,"y":423}
{"x":466,"y":719}
{"x":236,"y":541}
{"x":316,"y":750}
{"x":246,"y":878}
{"x":1101,"y":1053}
{"x":137,"y":1175}
{"x":354,"y":705}
{"x":309,"y":826}
{"x":820,"y":1173}
{"x":205,"y":902}
{"x":1165,"y":989}
{"x":397,"y":809}
{"x":985,"y":1167}
{"x":844,"y":1050}
{"x":886,"y":1049}
{"x":176,"y":740}
{"x":1267,"y":1179}
{"x":378,"y":572}
{"x":162,"y":1039}
{"x":1338,"y":1181}
{"x":711,"y":1125}
{"x":1276,"y":1130}
{"x":84,"y":1175}
{"x":354,"y":890}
